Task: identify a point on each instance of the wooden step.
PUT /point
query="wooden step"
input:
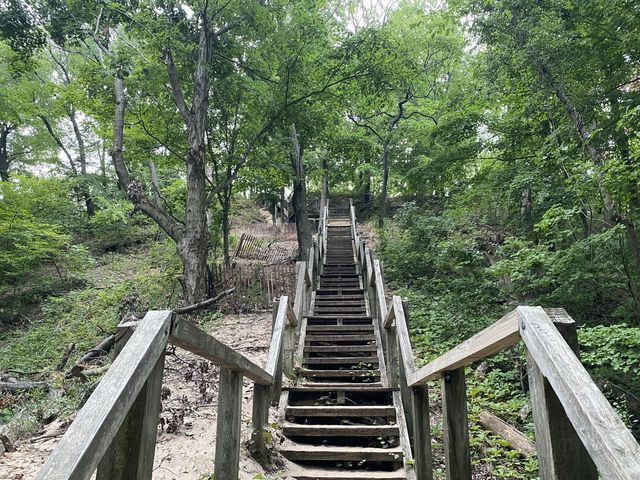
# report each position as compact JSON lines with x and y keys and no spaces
{"x":339,"y":360}
{"x":336,"y":291}
{"x":334,"y":316}
{"x":351,"y":387}
{"x":340,"y":338}
{"x":364,"y":374}
{"x":340,"y":348}
{"x":338,"y":328}
{"x":297,"y":430}
{"x":312,"y":453}
{"x":342,"y":411}
{"x":335,"y":474}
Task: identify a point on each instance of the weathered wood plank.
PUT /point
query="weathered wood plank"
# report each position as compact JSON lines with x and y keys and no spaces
{"x":455,"y":424}
{"x":492,"y":339}
{"x":229,"y":425}
{"x":259,"y":421}
{"x":186,"y":335}
{"x":561,"y":454}
{"x":406,"y":352}
{"x":609,"y":443}
{"x":133,"y":449}
{"x":87,"y":439}
{"x":382,"y":303}
{"x":391,"y":315}
{"x":298,"y":301}
{"x":274,"y":366}
{"x":422,"y":433}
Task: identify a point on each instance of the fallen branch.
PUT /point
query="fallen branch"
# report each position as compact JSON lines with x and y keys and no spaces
{"x":16,"y":386}
{"x":96,"y":371}
{"x":65,"y":357}
{"x":501,"y":428}
{"x":204,"y":303}
{"x":99,"y":351}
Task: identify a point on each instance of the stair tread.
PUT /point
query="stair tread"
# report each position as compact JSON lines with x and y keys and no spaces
{"x":321,"y":430}
{"x":342,"y":411}
{"x":337,"y":360}
{"x":373,"y":387}
{"x":340,"y":328}
{"x":340,"y":348}
{"x":322,"y":452}
{"x":335,"y":474}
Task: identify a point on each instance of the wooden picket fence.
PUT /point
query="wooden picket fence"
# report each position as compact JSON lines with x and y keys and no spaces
{"x":254,"y":248}
{"x":256,"y":285}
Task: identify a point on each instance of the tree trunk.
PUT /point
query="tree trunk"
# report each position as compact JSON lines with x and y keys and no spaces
{"x":283,"y":199}
{"x":155,"y":183}
{"x":194,"y":247}
{"x":4,"y":152}
{"x":324,"y":194}
{"x":611,"y":214}
{"x":525,"y":206}
{"x":382,"y":208}
{"x":365,"y":179}
{"x":226,"y":207}
{"x":82,"y":158}
{"x":303,"y":227}
{"x":103,"y":164}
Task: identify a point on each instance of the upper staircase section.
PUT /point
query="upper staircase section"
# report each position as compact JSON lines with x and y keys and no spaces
{"x":341,"y":418}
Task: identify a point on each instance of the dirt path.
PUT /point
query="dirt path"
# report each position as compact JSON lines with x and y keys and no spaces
{"x":187,"y":430}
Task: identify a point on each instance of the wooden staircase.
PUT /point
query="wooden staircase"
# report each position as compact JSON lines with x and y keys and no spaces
{"x":340,"y":419}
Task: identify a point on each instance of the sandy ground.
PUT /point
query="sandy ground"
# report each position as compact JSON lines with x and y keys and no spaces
{"x":187,"y":430}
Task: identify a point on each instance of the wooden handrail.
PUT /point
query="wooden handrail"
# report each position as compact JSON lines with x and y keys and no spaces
{"x":185,"y":334}
{"x":604,"y":435}
{"x":97,"y":423}
{"x":500,"y":335}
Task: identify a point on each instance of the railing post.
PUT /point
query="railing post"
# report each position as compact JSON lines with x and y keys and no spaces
{"x":276,"y":388}
{"x":132,"y":451}
{"x":259,"y":420}
{"x":561,"y":454}
{"x":229,"y":425}
{"x":393,"y":366}
{"x":455,"y":423}
{"x":421,"y":433}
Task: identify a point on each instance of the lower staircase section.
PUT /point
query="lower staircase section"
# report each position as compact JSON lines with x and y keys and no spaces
{"x":340,"y":419}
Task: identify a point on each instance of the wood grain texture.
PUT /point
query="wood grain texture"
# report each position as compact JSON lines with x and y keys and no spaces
{"x":229,"y":425}
{"x":455,"y":425}
{"x":186,"y":335}
{"x":500,"y":335}
{"x":87,"y":439}
{"x":421,"y":433}
{"x":298,"y":300}
{"x":561,"y":454}
{"x":604,"y":435}
{"x":273,"y":365}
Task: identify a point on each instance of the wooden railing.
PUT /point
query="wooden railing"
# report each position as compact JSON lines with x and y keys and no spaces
{"x":578,"y":433}
{"x":114,"y":434}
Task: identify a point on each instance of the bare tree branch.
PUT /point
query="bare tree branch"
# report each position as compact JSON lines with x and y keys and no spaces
{"x":175,"y":86}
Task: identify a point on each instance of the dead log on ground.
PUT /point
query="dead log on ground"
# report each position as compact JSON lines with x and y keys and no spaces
{"x":204,"y":303}
{"x":501,"y":428}
{"x":97,"y":352}
{"x":65,"y":357}
{"x":16,"y":386}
